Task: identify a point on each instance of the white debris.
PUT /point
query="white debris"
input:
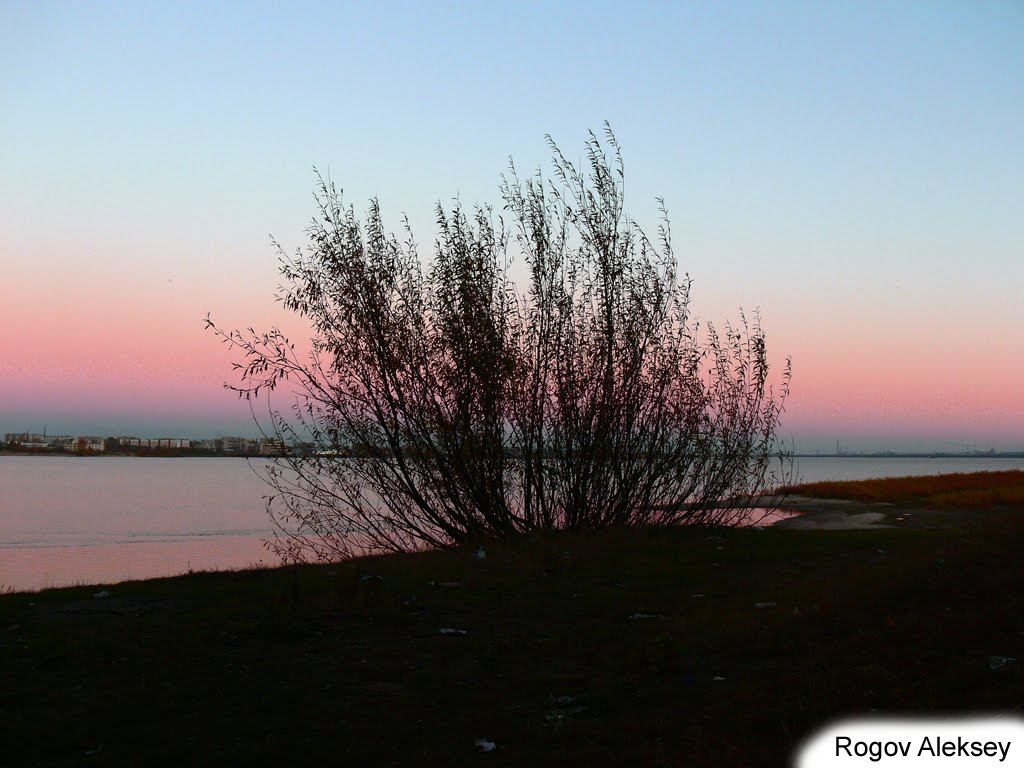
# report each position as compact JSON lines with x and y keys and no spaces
{"x":450,"y":631}
{"x":480,"y":554}
{"x":485,"y":745}
{"x":764,"y":605}
{"x":998,"y":662}
{"x":100,"y":595}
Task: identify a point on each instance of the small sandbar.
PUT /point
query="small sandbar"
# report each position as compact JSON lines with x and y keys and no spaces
{"x":833,"y":520}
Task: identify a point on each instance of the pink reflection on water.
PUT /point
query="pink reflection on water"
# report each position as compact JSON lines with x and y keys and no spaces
{"x":30,"y":568}
{"x":759,"y":517}
{"x":78,"y":520}
{"x":68,"y":520}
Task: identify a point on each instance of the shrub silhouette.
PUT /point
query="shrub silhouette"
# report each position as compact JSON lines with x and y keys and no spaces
{"x":445,"y":403}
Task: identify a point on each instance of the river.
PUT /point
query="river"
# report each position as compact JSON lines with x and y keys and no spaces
{"x":67,"y":520}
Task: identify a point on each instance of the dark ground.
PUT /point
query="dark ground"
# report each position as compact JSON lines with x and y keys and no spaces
{"x":629,"y":647}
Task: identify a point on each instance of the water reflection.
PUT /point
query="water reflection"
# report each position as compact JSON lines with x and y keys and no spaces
{"x":759,"y":517}
{"x":68,"y":520}
{"x":41,"y":567}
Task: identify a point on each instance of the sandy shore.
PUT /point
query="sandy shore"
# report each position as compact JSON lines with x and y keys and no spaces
{"x":837,"y":514}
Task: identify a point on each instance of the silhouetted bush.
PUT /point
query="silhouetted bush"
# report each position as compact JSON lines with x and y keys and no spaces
{"x":450,"y":404}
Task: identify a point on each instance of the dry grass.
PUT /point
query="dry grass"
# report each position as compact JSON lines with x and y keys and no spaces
{"x":977,"y":489}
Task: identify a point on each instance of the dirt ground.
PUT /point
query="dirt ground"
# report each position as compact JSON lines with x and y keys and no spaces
{"x":836,"y":514}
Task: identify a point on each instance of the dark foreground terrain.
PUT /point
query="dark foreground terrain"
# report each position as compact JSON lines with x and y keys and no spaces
{"x":697,"y":647}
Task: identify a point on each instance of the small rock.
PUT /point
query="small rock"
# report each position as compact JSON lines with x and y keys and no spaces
{"x":450,"y":631}
{"x":481,"y":554}
{"x":998,"y":662}
{"x":101,"y":594}
{"x":764,"y":605}
{"x":485,"y":745}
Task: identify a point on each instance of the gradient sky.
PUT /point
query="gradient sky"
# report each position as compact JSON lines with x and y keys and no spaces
{"x":856,"y":170}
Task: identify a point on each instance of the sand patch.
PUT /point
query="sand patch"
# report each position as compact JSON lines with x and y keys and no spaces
{"x":834,"y":520}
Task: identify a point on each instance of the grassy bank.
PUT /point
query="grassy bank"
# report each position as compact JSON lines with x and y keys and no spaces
{"x":968,"y":490}
{"x":632,"y":647}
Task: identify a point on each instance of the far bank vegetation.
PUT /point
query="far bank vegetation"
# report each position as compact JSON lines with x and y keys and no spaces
{"x":974,"y":489}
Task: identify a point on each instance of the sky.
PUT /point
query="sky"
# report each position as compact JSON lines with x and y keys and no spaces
{"x":854,"y":170}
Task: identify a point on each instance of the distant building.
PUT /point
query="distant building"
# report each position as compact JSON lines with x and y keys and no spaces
{"x":234,"y":446}
{"x":158,"y":442}
{"x":85,"y":444}
{"x":26,"y":440}
{"x":173,"y":442}
{"x":272,"y":447}
{"x":35,"y":441}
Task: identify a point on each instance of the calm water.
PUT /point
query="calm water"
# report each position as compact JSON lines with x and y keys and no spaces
{"x":68,"y":520}
{"x":65,"y":520}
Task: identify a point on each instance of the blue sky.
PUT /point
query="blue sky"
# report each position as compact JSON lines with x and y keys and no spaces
{"x":856,"y":170}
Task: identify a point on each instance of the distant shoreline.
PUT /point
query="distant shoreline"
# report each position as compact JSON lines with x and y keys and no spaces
{"x":209,"y":455}
{"x":919,"y":455}
{"x":122,"y":454}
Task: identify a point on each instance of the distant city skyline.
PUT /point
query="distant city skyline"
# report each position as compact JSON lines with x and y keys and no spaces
{"x":855,"y":170}
{"x":809,"y":444}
